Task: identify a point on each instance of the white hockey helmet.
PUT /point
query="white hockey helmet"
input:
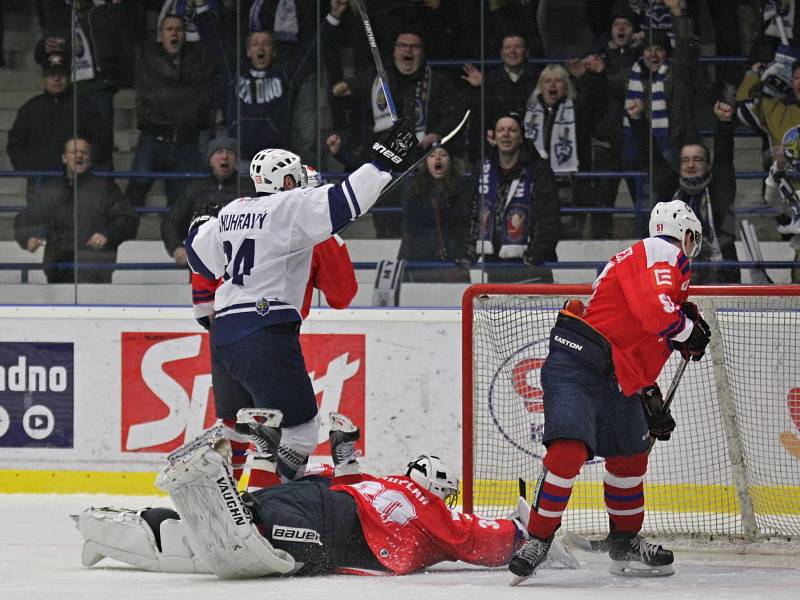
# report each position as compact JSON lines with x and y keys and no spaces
{"x":430,"y":473}
{"x":270,"y":166}
{"x":674,"y":219}
{"x":311,"y":178}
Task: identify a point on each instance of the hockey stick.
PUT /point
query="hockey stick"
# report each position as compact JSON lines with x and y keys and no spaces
{"x":589,"y":545}
{"x":426,"y":154}
{"x":376,"y":56}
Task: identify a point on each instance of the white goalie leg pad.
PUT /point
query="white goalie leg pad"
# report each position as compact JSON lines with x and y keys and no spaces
{"x":217,"y":524}
{"x":125,"y":536}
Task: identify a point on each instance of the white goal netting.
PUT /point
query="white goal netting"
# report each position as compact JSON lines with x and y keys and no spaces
{"x":732,"y":467}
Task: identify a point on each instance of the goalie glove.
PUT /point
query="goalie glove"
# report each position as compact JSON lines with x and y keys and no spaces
{"x":392,"y":150}
{"x":660,"y":423}
{"x":694,"y":347}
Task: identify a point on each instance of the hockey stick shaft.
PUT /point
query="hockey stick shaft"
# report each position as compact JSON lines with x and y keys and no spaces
{"x":437,"y":144}
{"x":376,"y":57}
{"x":673,"y":386}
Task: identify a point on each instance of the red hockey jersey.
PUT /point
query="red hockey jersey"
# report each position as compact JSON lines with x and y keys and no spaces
{"x":331,"y":273}
{"x":409,"y":529}
{"x":636,"y":306}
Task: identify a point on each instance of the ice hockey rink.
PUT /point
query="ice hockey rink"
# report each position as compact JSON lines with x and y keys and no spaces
{"x":40,"y":559}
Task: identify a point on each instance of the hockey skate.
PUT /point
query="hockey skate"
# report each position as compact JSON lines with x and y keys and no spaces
{"x":528,"y":559}
{"x":343,"y":436}
{"x":262,"y":426}
{"x":632,"y":556}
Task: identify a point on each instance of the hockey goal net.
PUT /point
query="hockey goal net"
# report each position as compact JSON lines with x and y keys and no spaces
{"x":732,"y":468}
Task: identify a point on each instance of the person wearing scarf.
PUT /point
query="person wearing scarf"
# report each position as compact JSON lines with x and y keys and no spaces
{"x":709,"y":188}
{"x":661,"y":93}
{"x":515,"y":216}
{"x":558,"y":120}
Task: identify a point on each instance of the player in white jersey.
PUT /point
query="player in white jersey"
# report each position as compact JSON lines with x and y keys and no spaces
{"x":262,"y":248}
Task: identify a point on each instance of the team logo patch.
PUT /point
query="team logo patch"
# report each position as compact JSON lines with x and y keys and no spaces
{"x":295,"y":534}
{"x":262,"y":307}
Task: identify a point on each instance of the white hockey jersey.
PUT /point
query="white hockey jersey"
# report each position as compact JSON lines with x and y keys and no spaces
{"x":262,"y":249}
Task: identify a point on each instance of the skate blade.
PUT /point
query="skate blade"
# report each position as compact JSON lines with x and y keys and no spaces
{"x":624,"y":568}
{"x":267,"y":417}
{"x":517,"y":579}
{"x":207,"y":438}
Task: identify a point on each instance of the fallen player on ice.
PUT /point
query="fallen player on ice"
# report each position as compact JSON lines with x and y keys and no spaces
{"x":335,"y":521}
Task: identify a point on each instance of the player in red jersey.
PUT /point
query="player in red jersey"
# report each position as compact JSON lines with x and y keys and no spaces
{"x":601,"y":365}
{"x":331,"y":272}
{"x":333,"y":520}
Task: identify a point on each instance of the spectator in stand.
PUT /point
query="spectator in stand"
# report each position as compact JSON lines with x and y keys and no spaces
{"x":45,"y":122}
{"x":222,"y":185}
{"x":425,"y":97}
{"x":515,"y":216}
{"x":660,"y":101}
{"x":767,"y":115}
{"x":105,"y":219}
{"x":558,"y":121}
{"x":709,"y":189}
{"x":436,"y":219}
{"x":564,"y":27}
{"x":620,"y":53}
{"x":261,"y":111}
{"x":507,"y":87}
{"x":173,"y":103}
{"x":781,"y":193}
{"x":99,"y":58}
{"x":202,"y":24}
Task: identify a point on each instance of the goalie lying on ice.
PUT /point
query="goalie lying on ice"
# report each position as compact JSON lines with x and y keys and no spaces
{"x":335,"y":520}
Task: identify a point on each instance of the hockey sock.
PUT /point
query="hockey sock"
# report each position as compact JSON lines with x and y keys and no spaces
{"x":262,"y":474}
{"x":239,"y":444}
{"x":560,"y":467}
{"x":624,"y":491}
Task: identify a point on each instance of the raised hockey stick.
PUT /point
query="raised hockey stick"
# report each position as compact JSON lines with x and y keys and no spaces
{"x":376,"y":56}
{"x":394,"y":182}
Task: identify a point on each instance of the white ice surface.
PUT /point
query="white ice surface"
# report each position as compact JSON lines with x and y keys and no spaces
{"x":40,"y":560}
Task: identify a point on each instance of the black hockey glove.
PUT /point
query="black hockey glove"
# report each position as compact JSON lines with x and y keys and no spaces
{"x":203,"y":214}
{"x":694,"y":347}
{"x":660,"y":423}
{"x":392,"y":150}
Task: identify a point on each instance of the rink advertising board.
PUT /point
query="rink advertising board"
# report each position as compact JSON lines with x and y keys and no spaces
{"x":167,"y":396}
{"x":36,"y":395}
{"x":138,"y":385}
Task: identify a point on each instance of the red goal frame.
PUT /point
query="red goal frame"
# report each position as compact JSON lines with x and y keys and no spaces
{"x":550,"y":290}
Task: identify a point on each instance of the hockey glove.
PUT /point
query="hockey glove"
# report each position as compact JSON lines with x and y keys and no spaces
{"x":694,"y":346}
{"x":203,"y":214}
{"x":392,"y":150}
{"x":660,"y":423}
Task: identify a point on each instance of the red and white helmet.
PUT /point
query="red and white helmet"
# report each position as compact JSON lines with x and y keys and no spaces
{"x":430,"y":473}
{"x":674,"y":219}
{"x":270,"y":166}
{"x":311,"y":178}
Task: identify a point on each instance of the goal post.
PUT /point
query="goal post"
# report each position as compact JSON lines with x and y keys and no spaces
{"x":732,"y":467}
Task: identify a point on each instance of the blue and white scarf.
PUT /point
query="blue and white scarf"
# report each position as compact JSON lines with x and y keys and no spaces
{"x":380,"y":109}
{"x":286,"y":26}
{"x":659,"y":120}
{"x":563,"y":151}
{"x":515,"y":211}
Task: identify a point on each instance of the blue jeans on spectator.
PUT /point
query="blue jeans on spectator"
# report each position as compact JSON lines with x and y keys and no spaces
{"x":154,"y":153}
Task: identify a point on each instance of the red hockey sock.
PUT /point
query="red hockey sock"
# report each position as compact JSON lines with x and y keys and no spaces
{"x":262,"y":474}
{"x":561,"y":466}
{"x":624,"y":491}
{"x":239,"y":445}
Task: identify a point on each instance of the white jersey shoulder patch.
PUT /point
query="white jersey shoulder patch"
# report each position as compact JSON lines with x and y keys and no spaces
{"x":658,"y":250}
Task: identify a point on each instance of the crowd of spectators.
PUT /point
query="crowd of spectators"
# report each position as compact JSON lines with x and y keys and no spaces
{"x":617,"y":87}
